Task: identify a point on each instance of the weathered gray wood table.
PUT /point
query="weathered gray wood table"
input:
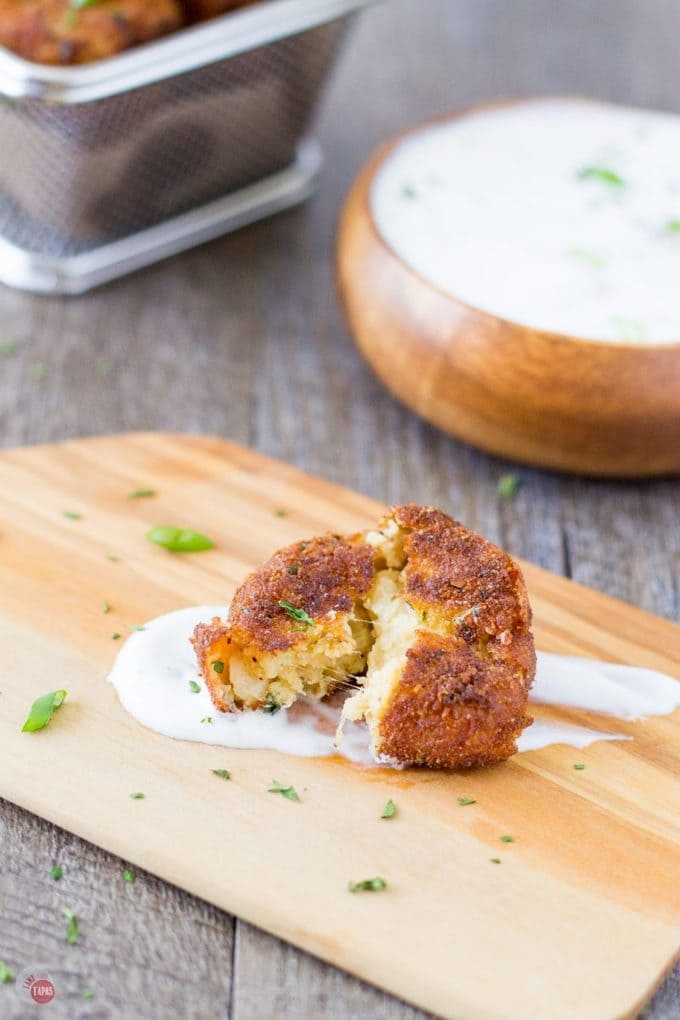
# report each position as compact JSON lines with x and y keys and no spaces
{"x":244,"y":338}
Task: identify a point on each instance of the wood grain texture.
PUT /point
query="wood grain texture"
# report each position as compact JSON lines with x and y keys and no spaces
{"x":594,"y":408}
{"x":244,"y":338}
{"x":557,"y":899}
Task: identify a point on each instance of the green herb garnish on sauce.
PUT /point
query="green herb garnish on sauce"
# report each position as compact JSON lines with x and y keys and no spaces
{"x":601,"y":173}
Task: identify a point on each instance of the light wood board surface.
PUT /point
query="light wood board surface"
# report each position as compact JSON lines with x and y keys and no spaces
{"x":583,"y":911}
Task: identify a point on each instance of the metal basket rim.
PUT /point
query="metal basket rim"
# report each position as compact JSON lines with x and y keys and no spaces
{"x":186,"y":50}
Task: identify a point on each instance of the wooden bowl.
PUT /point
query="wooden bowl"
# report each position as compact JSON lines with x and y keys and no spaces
{"x":591,"y":407}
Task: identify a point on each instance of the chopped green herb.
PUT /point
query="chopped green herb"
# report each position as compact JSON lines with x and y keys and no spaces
{"x":37,"y":370}
{"x":507,"y":486}
{"x":280,"y":512}
{"x":579,"y":767}
{"x":218,"y":666}
{"x":495,"y":860}
{"x":592,"y":258}
{"x":141,"y":494}
{"x":57,"y":872}
{"x":73,"y":930}
{"x":180,"y":539}
{"x":672,"y":227}
{"x":271,"y":705}
{"x":207,"y":720}
{"x":464,"y":801}
{"x":8,"y":348}
{"x":368,"y":885}
{"x":507,"y":839}
{"x":390,"y":810}
{"x":72,"y":515}
{"x":296,"y":613}
{"x":408,"y":191}
{"x":88,"y":994}
{"x":601,"y":173}
{"x":79,"y":5}
{"x":106,"y":607}
{"x":194,"y":687}
{"x":6,"y":974}
{"x":112,"y":558}
{"x":222,"y":773}
{"x":42,"y":711}
{"x":137,"y":796}
{"x":116,"y":636}
{"x":129,"y":874}
{"x":286,"y":791}
{"x":293,"y":570}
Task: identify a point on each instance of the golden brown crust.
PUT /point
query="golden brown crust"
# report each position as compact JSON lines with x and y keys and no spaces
{"x":452,"y":569}
{"x":321,"y":576}
{"x":454,"y":708}
{"x":462,"y":696}
{"x":54,"y":32}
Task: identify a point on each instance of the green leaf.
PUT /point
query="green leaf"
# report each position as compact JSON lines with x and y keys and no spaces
{"x":280,"y":512}
{"x":73,"y":930}
{"x":106,"y":607}
{"x":180,"y":539}
{"x":601,"y":173}
{"x":141,"y":493}
{"x":6,"y":974}
{"x":42,"y":711}
{"x":579,"y":767}
{"x":286,"y":791}
{"x":207,"y":720}
{"x":129,"y":874}
{"x":112,"y":559}
{"x":57,"y":872}
{"x":116,"y":636}
{"x":464,"y":801}
{"x":271,"y":705}
{"x":507,"y":839}
{"x":296,"y":613}
{"x":495,"y":860}
{"x":222,"y":773}
{"x":390,"y":810}
{"x":137,"y":796}
{"x":194,"y":687}
{"x":88,"y":994}
{"x":72,"y":515}
{"x":368,"y":885}
{"x":507,"y":486}
{"x":218,"y":666}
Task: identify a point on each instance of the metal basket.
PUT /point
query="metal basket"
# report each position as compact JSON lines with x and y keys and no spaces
{"x":117,"y":164}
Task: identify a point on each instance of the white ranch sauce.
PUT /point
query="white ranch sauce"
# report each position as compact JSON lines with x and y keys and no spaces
{"x":155,"y":667}
{"x":508,"y":211}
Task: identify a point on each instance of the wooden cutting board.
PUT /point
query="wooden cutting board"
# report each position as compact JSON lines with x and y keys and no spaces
{"x":580,"y":920}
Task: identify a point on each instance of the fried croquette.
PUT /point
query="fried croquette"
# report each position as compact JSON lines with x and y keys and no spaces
{"x":428,"y":619}
{"x":62,"y":32}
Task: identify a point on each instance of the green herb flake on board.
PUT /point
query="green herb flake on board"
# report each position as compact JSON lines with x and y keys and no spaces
{"x":181,"y":540}
{"x":390,"y":810}
{"x":42,"y":710}
{"x":289,"y":792}
{"x":368,"y":885}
